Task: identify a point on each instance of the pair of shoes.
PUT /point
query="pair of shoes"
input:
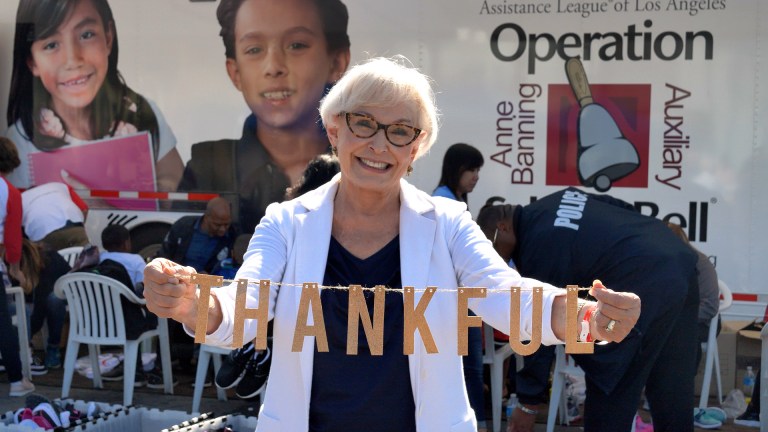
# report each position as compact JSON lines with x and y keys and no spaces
{"x":155,"y":379}
{"x":37,"y":366}
{"x":641,"y":426}
{"x":233,"y":366}
{"x":140,"y":379}
{"x":25,"y":417}
{"x":114,"y":374}
{"x":716,"y":413}
{"x":255,"y":376}
{"x":21,"y":388}
{"x":750,"y":418}
{"x":703,"y":420}
{"x":53,"y":357}
{"x":53,"y":414}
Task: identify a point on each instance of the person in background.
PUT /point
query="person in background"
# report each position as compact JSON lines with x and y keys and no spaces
{"x":319,"y":171}
{"x":66,"y":90}
{"x":709,"y":303}
{"x":42,"y":267}
{"x":460,"y":172}
{"x":201,"y":241}
{"x":245,"y":367}
{"x":116,"y":241}
{"x":10,"y":252}
{"x":228,"y":267}
{"x":380,"y":117}
{"x":459,"y":176}
{"x":282,"y":56}
{"x":566,"y":237}
{"x":54,"y":215}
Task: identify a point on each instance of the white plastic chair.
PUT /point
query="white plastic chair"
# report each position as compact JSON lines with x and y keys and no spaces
{"x":495,"y":357}
{"x":96,"y":318}
{"x":764,"y":379}
{"x":203,"y":359}
{"x":710,"y":349}
{"x":70,"y":254}
{"x":564,"y":365}
{"x":20,"y":320}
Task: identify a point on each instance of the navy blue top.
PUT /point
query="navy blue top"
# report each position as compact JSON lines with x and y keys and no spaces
{"x":201,"y":248}
{"x":362,"y":392}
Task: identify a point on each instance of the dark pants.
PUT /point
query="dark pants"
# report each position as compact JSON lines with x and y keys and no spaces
{"x":665,"y":365}
{"x":473,"y":372}
{"x":9,"y":342}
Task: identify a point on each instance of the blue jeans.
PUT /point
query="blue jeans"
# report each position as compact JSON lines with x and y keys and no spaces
{"x":473,"y":372}
{"x":51,"y":309}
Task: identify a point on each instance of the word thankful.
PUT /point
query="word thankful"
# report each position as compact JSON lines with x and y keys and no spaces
{"x":374,"y":329}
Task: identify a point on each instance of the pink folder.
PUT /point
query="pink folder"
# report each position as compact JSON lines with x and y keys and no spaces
{"x":124,"y":164}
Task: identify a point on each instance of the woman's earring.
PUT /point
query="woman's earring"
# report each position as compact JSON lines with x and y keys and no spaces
{"x":495,"y":234}
{"x":334,"y":151}
{"x":409,"y":170}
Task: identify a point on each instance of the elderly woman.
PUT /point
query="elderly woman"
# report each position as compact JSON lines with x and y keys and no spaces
{"x":370,"y":227}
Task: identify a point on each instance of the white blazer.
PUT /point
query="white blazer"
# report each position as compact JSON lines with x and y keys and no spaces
{"x":440,"y":245}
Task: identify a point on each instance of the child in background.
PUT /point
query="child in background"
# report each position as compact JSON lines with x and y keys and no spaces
{"x":228,"y":266}
{"x":66,"y":89}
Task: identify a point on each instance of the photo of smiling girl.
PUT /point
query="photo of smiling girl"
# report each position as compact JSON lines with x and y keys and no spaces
{"x":66,"y":90}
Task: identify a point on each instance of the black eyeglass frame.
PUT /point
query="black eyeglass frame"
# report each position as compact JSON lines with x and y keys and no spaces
{"x":380,"y":126}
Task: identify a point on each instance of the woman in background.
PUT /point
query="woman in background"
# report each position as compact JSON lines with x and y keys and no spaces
{"x":461,"y":171}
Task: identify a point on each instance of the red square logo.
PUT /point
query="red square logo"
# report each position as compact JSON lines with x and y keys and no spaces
{"x":602,"y":144}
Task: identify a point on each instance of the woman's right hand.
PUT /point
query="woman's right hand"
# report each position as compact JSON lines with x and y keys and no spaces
{"x":169,"y":293}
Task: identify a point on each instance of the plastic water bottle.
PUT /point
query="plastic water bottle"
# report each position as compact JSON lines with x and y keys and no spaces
{"x":511,"y":404}
{"x":748,"y":384}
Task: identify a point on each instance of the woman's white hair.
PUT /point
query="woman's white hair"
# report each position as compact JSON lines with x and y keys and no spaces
{"x":385,"y":82}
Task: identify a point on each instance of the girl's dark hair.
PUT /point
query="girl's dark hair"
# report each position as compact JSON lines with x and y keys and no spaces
{"x":333,"y":15}
{"x":319,"y":171}
{"x":115,"y":102}
{"x":9,"y":156}
{"x":458,"y":158}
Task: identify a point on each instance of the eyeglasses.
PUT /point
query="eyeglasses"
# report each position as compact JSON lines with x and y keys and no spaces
{"x":365,"y":126}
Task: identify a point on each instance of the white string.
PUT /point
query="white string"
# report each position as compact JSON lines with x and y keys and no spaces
{"x":253,"y":282}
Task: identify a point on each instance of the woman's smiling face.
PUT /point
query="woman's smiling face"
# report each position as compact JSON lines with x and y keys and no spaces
{"x":374,"y":163}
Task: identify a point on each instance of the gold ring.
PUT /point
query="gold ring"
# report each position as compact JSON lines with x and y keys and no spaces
{"x":610,"y":326}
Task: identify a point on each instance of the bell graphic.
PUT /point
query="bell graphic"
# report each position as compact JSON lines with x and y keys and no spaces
{"x":603,"y":155}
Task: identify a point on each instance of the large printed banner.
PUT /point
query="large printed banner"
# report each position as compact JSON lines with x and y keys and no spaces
{"x":664,"y":106}
{"x":664,"y":110}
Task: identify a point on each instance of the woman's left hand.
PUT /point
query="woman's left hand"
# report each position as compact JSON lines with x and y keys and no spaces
{"x":615,"y":315}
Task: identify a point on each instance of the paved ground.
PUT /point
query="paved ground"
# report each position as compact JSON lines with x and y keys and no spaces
{"x":50,"y":386}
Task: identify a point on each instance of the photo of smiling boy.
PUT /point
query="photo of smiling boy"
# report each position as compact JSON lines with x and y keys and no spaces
{"x":282,"y":55}
{"x":66,"y":89}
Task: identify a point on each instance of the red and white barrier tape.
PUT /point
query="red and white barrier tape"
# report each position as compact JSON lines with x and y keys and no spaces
{"x":181,"y":196}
